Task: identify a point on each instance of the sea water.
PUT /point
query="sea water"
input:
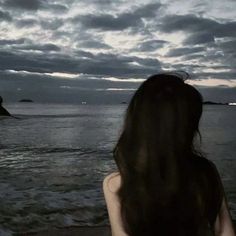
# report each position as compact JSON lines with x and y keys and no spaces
{"x":54,"y":158}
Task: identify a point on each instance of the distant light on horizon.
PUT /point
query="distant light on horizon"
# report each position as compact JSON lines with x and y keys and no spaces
{"x":116,"y":89}
{"x":64,"y":75}
{"x":213,"y":82}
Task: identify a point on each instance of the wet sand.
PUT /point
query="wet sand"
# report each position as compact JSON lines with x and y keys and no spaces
{"x":79,"y":231}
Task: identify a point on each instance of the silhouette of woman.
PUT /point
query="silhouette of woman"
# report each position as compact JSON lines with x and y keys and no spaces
{"x":3,"y":111}
{"x":164,"y":186}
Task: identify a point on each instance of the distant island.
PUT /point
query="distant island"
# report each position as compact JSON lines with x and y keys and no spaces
{"x":26,"y":100}
{"x":215,"y":103}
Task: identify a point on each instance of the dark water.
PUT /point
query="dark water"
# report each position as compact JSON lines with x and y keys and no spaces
{"x":53,"y":161}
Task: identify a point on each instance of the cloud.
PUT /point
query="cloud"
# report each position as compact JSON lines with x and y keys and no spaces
{"x":93,"y":41}
{"x":150,"y":45}
{"x":100,"y":64}
{"x":106,"y":22}
{"x":184,"y":50}
{"x":93,"y":44}
{"x":147,"y":11}
{"x":31,"y":5}
{"x":34,"y":5}
{"x":121,"y":21}
{"x":44,"y":47}
{"x":55,"y":7}
{"x":199,"y":38}
{"x":5,"y":16}
{"x":101,"y":2}
{"x":87,"y":54}
{"x":190,"y":23}
{"x":225,"y":29}
{"x":214,"y":83}
{"x":26,"y":23}
{"x":228,"y":46}
{"x":16,"y":85}
{"x":12,"y":41}
{"x":40,"y":89}
{"x":51,"y":24}
{"x":195,"y":24}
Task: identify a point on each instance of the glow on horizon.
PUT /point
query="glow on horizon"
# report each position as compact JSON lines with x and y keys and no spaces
{"x":213,"y":82}
{"x":64,"y":75}
{"x":53,"y":74}
{"x":116,"y":89}
{"x":198,"y":82}
{"x":124,"y":80}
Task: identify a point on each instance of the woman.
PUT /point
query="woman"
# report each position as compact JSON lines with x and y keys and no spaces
{"x":164,"y":185}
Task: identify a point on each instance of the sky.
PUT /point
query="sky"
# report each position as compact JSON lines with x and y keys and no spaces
{"x":100,"y":51}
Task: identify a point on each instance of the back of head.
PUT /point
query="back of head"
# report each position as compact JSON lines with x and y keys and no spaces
{"x":165,"y":107}
{"x":154,"y":155}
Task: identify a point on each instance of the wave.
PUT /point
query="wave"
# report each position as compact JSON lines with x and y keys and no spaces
{"x":21,"y":116}
{"x":43,"y":149}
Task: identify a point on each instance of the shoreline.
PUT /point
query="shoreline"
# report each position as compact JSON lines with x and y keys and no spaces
{"x":79,"y":231}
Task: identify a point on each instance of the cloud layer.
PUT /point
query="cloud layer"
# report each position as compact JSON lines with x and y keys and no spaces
{"x":92,"y":41}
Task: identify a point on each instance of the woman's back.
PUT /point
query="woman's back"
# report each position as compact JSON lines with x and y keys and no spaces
{"x":166,"y":186}
{"x":181,"y":218}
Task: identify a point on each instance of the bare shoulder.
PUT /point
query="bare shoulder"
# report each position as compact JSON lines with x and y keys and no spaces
{"x":112,"y":182}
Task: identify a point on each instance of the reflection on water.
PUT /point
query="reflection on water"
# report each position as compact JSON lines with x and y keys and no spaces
{"x":53,"y":160}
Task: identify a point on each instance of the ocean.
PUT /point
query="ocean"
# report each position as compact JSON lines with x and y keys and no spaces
{"x":54,"y":158}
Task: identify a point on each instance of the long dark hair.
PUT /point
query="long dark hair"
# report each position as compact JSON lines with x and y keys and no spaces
{"x":161,"y":192}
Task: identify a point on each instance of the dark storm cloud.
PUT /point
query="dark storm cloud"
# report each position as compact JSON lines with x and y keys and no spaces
{"x":185,"y":66}
{"x":184,"y":50}
{"x":34,"y":62}
{"x":204,"y":32}
{"x":44,"y":48}
{"x":5,"y":16}
{"x":31,"y":5}
{"x":93,"y":44}
{"x":87,"y":54}
{"x":220,"y":52}
{"x":199,"y":38}
{"x":226,"y":29}
{"x":100,"y":2}
{"x":195,"y":24}
{"x":100,"y":64}
{"x":26,"y":23}
{"x":150,"y":45}
{"x":218,"y":75}
{"x":43,"y":88}
{"x":228,"y":46}
{"x":11,"y":41}
{"x":189,"y":23}
{"x":106,"y":22}
{"x":27,"y":45}
{"x":55,"y":7}
{"x":119,"y":22}
{"x":34,"y":5}
{"x":146,"y":11}
{"x":42,"y":39}
{"x":194,"y":57}
{"x":52,"y":24}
